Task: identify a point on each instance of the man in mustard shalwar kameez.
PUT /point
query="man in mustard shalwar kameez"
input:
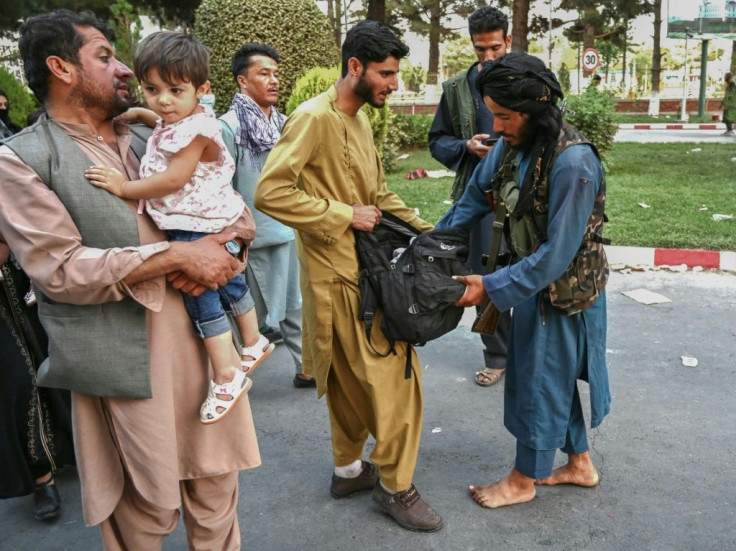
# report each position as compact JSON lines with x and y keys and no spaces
{"x":324,"y":178}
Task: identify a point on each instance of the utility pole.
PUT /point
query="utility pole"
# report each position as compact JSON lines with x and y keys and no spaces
{"x":549,"y":59}
{"x":683,"y":112}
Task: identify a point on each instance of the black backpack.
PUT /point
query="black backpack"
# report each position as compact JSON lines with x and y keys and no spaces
{"x":413,"y":288}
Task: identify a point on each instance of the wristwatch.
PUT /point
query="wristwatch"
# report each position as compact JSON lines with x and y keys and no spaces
{"x":233,"y":248}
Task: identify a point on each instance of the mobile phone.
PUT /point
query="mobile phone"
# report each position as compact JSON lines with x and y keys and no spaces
{"x":490,"y":141}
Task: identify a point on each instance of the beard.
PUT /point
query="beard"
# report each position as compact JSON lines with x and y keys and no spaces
{"x":364,"y":91}
{"x":91,"y":95}
{"x":527,"y":135}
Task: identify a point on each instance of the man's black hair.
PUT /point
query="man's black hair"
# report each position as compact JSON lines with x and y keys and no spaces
{"x":54,"y":34}
{"x":242,"y":60}
{"x":488,"y":20}
{"x":370,"y":41}
{"x":545,"y":126}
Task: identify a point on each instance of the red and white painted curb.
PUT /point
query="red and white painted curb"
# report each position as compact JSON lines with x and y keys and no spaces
{"x":672,"y":126}
{"x":650,"y":256}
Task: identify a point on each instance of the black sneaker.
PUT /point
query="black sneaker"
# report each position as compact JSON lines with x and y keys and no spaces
{"x":300,"y":382}
{"x":366,"y":480}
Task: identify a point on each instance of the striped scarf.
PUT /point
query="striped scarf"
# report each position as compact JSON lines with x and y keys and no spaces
{"x":255,"y":132}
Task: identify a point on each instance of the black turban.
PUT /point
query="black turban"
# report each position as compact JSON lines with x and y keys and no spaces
{"x":519,"y":82}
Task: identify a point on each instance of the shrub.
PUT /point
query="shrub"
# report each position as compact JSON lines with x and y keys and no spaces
{"x":319,"y":79}
{"x":410,"y":131}
{"x":295,"y":28}
{"x":310,"y":84}
{"x":22,"y":102}
{"x":592,"y":112}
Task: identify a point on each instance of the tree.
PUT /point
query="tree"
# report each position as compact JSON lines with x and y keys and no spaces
{"x":459,"y":55}
{"x":414,"y":76}
{"x":127,"y":26}
{"x":295,"y":28}
{"x":171,"y":13}
{"x":520,"y":26}
{"x":563,"y":75}
{"x":428,"y":18}
{"x":622,"y":12}
{"x":610,"y":54}
{"x":334,"y":15}
{"x":22,"y":103}
{"x":13,"y":12}
{"x":376,"y":10}
{"x":604,"y":20}
{"x":656,"y":58}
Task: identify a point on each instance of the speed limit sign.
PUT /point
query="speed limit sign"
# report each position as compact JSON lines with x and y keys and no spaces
{"x":591,"y":59}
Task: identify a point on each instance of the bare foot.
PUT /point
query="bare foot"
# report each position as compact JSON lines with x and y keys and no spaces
{"x":578,"y":471}
{"x":515,"y":488}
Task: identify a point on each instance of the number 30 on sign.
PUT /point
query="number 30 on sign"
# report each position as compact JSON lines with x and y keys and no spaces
{"x":591,"y":59}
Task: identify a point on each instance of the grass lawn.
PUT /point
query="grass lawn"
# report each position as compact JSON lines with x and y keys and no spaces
{"x":675,"y":181}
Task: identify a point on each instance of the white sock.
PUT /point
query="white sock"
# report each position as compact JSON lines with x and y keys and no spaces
{"x":386,"y":489}
{"x":350,"y":471}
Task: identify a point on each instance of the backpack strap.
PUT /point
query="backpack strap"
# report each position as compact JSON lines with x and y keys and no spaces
{"x":407,"y":366}
{"x":370,"y":295}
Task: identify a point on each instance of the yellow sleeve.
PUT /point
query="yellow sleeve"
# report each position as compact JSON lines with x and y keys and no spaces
{"x":279,"y":192}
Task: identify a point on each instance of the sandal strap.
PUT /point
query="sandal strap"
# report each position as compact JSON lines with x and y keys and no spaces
{"x":255,"y":351}
{"x":229,"y":388}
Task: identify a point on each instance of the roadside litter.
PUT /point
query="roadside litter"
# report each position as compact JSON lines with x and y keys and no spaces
{"x":440,"y":174}
{"x":414,"y":174}
{"x":689,"y":361}
{"x":645,"y":296}
{"x":720,"y":217}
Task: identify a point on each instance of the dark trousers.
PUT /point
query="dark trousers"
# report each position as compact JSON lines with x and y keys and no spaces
{"x":496,"y":345}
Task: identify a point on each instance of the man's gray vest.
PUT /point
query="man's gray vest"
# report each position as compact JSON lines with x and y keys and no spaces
{"x":99,"y":349}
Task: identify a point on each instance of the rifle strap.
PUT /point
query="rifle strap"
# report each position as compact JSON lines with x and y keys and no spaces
{"x":498,"y":207}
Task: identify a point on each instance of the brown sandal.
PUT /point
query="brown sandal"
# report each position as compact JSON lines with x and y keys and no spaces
{"x":488,"y":376}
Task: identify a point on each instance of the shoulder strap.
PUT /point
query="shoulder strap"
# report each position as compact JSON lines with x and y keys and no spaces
{"x":369,"y":255}
{"x":498,"y":206}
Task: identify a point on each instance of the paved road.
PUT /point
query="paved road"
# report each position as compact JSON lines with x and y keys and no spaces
{"x":667,"y":452}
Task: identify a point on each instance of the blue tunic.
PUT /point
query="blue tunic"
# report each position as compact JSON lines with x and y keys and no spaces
{"x":549,"y":350}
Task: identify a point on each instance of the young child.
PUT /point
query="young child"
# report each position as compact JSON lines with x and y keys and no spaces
{"x":185,"y":179}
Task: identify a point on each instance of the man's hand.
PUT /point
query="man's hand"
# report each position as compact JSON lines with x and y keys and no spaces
{"x":181,"y":282}
{"x":365,"y":217}
{"x":476,"y":146}
{"x":207,"y":264}
{"x":474,"y":293}
{"x":107,"y":178}
{"x":137,"y":114}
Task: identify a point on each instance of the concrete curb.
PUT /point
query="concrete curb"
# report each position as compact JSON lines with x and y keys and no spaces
{"x":650,"y":256}
{"x":671,"y":126}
